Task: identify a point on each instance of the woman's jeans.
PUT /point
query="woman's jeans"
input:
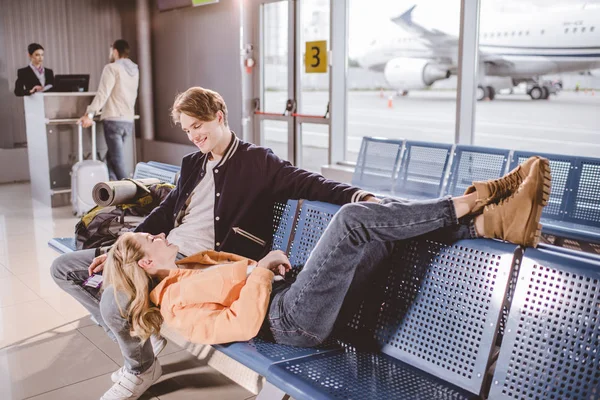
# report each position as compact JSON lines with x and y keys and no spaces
{"x":359,"y":237}
{"x":115,"y":133}
{"x":69,"y":271}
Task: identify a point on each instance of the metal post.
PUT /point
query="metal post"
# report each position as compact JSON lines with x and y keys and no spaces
{"x":337,"y":81}
{"x":145,"y":62}
{"x":468,"y":55}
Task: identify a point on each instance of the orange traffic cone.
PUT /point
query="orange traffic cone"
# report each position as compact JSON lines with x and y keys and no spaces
{"x":391,"y":102}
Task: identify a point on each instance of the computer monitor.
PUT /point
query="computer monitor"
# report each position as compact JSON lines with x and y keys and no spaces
{"x":71,"y":83}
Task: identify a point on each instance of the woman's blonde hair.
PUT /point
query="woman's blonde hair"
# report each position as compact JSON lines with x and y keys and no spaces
{"x":123,"y":272}
{"x":202,"y":104}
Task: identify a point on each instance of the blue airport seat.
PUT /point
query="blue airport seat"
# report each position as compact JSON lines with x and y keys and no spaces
{"x":168,"y":167}
{"x":561,"y":168}
{"x":583,"y":208}
{"x":473,"y":163}
{"x":422,"y":170}
{"x":354,"y":375}
{"x":313,"y":218}
{"x":258,"y":354}
{"x":63,"y":245}
{"x":550,"y":349}
{"x":297,"y":230}
{"x":284,"y":219}
{"x":573,"y":211}
{"x":392,"y":350}
{"x":377,"y":164}
{"x":144,"y":170}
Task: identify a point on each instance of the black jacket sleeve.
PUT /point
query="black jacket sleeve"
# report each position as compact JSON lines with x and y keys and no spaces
{"x":20,"y":86}
{"x":289,"y":182}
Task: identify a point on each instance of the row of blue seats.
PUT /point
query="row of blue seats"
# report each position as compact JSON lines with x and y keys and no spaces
{"x":430,"y":325}
{"x":421,"y":170}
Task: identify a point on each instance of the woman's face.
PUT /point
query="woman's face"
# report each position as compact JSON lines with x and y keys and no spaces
{"x":160,"y":254}
{"x":206,"y":135}
{"x":37,"y":58}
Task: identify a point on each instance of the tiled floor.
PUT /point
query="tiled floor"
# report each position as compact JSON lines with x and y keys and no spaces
{"x":49,"y":348}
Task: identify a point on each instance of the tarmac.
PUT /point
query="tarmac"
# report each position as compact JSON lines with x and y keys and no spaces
{"x":567,"y":123}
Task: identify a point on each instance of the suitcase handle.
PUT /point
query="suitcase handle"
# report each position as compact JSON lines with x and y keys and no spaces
{"x":80,"y":139}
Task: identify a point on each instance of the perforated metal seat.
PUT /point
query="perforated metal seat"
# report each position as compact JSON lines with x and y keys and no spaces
{"x":297,"y":238}
{"x":352,"y":375}
{"x":143,"y":170}
{"x":473,"y":163}
{"x":63,"y":245}
{"x":561,"y":168}
{"x":551,"y":346}
{"x":377,"y":164}
{"x":422,"y":170}
{"x":437,"y":309}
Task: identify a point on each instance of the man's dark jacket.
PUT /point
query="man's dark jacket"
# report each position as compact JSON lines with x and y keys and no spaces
{"x":248,"y":181}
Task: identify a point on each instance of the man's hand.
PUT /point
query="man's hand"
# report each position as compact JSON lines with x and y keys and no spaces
{"x":97,"y":264}
{"x":371,"y":199}
{"x":85,"y":121}
{"x":36,"y":88}
{"x":276,"y":262}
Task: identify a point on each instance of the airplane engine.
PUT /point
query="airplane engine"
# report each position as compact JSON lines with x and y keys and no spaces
{"x":413,"y":73}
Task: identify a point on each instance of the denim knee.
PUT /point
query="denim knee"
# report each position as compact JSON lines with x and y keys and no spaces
{"x":59,"y":267}
{"x":113,"y":311}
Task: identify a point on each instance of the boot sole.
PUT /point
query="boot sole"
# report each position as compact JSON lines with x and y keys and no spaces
{"x":534,"y":227}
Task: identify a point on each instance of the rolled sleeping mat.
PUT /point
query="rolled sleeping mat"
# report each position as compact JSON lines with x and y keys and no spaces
{"x":120,"y":192}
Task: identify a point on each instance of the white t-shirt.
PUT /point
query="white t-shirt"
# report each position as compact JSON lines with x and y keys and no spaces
{"x":197,"y":230}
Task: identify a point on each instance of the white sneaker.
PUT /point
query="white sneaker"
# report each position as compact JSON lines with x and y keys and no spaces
{"x":158,"y":345}
{"x":130,"y":386}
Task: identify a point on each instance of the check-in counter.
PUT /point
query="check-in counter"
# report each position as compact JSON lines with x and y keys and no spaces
{"x":50,"y":120}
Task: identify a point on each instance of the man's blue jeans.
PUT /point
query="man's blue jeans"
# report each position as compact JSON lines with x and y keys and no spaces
{"x":358,"y":239}
{"x":115,"y":133}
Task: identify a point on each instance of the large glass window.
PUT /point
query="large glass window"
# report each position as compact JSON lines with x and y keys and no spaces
{"x":536,"y":77}
{"x":401,"y":70}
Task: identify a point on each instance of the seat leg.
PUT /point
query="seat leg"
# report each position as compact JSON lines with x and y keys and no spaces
{"x":270,"y":392}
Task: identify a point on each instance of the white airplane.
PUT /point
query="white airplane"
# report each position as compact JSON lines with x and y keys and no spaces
{"x":513,"y":48}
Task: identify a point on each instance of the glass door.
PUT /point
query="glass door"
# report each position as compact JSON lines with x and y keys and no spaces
{"x":289,"y":96}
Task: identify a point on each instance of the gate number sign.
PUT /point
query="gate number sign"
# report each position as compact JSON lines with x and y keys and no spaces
{"x":315,"y":57}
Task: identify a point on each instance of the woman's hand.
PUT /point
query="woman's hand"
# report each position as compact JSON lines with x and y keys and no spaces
{"x":36,"y":88}
{"x":371,"y":199}
{"x":97,"y":264}
{"x":276,"y":262}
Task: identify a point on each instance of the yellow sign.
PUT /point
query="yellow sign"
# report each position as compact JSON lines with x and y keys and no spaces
{"x":315,"y":58}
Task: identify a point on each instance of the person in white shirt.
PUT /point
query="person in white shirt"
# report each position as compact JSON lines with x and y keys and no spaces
{"x":116,"y":96}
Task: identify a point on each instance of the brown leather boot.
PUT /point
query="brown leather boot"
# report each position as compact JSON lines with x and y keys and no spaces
{"x":516,"y":218}
{"x":492,"y":191}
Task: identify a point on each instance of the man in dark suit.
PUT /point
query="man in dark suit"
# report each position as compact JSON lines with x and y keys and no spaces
{"x":34,"y":78}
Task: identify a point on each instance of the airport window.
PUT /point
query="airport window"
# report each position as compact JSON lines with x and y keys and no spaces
{"x":521,"y":117}
{"x":389,"y":98}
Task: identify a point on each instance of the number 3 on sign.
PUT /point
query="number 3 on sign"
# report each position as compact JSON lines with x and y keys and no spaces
{"x":315,"y":58}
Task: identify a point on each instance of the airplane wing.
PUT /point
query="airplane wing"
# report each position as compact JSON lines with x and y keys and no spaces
{"x":446,"y":44}
{"x":435,"y":37}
